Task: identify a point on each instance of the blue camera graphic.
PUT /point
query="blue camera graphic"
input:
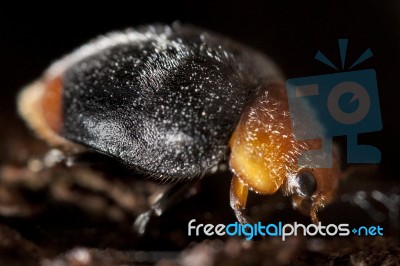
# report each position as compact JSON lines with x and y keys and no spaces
{"x":343,"y":103}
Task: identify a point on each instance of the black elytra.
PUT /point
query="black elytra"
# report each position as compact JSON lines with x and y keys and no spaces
{"x":162,"y":99}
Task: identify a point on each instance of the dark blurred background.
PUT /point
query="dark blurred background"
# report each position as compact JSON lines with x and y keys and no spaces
{"x":291,"y":32}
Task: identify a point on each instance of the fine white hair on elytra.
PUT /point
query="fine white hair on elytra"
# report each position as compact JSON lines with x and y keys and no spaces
{"x":129,"y":36}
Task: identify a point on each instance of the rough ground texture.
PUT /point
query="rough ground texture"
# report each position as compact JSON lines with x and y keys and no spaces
{"x":83,"y":214}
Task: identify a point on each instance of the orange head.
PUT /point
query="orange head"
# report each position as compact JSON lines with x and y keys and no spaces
{"x":264,"y":154}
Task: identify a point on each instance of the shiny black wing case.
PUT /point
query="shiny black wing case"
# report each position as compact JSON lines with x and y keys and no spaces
{"x":162,"y":99}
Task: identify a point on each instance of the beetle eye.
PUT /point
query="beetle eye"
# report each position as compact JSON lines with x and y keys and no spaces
{"x":304,"y":184}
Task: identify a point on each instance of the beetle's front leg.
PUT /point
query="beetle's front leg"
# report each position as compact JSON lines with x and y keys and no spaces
{"x":238,"y":199}
{"x":317,"y":205}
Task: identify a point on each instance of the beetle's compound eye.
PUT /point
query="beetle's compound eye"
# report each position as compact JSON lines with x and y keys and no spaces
{"x":304,"y":184}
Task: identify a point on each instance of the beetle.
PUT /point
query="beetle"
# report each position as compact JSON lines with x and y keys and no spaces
{"x":172,"y":103}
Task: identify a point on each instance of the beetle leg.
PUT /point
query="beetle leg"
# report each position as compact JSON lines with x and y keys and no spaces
{"x":164,"y":201}
{"x":317,"y":205}
{"x":308,"y":207}
{"x":238,"y":199}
